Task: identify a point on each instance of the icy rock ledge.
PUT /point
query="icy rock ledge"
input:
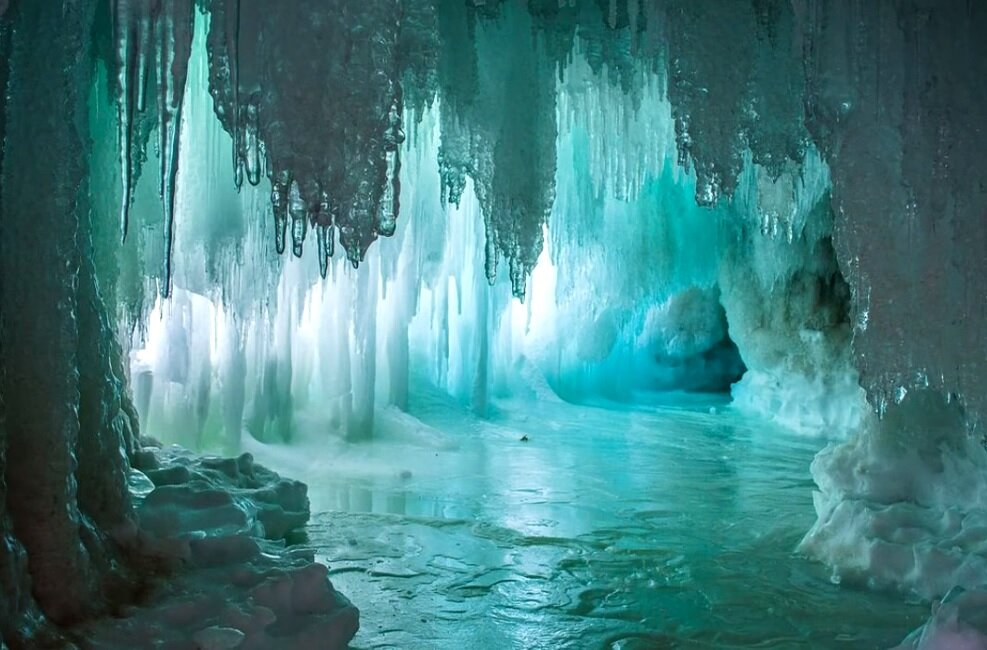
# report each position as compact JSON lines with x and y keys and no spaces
{"x":959,"y":622}
{"x":216,"y":526}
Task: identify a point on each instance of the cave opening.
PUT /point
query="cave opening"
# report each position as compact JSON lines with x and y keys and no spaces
{"x":429,"y":323}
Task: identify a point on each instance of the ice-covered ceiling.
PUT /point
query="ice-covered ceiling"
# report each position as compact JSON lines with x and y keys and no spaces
{"x":889,"y":93}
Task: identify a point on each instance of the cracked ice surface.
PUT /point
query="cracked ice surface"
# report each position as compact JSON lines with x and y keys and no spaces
{"x":635,"y":526}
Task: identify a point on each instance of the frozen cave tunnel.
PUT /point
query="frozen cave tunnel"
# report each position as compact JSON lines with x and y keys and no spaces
{"x":535,"y":324}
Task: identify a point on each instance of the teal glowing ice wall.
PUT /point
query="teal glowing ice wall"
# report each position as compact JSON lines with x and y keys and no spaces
{"x":544,"y":132}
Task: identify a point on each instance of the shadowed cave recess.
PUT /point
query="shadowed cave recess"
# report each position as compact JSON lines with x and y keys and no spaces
{"x":524,"y":323}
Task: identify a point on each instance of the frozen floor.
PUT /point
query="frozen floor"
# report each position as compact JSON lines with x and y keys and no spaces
{"x":659,"y":526}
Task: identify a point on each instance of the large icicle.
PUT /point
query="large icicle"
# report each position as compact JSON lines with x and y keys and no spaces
{"x":153,"y":45}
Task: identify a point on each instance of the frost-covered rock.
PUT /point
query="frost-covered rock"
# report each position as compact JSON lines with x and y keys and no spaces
{"x":219,"y":496}
{"x":224,"y":585}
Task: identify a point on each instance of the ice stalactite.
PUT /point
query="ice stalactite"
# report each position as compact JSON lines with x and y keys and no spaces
{"x":499,"y":128}
{"x":458,"y":79}
{"x":902,"y":107}
{"x":153,"y":41}
{"x":751,"y":104}
{"x":514,"y":157}
{"x":345,"y":182}
{"x":709,"y":97}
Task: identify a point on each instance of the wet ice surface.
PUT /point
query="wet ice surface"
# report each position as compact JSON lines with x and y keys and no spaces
{"x":658,"y":526}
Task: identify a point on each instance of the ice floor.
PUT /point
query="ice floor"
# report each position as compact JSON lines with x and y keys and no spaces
{"x":664,"y":525}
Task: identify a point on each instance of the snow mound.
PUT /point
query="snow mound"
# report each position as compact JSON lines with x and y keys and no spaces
{"x":904,"y":504}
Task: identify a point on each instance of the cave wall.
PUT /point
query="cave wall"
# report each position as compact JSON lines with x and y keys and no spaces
{"x":907,"y":149}
{"x":66,"y":431}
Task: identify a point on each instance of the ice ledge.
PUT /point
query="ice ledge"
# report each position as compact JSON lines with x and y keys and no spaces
{"x":211,"y":531}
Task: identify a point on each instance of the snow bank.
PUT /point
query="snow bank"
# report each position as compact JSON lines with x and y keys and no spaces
{"x":212,"y":530}
{"x":903,"y":505}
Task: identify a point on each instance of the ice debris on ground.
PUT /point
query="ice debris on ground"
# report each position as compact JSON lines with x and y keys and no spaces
{"x":213,"y":530}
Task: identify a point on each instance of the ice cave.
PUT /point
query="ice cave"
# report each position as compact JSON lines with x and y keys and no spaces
{"x":513,"y":324}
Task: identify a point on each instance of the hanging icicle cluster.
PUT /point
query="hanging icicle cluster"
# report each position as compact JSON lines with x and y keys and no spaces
{"x":313,"y":97}
{"x":153,"y":43}
{"x":314,"y":100}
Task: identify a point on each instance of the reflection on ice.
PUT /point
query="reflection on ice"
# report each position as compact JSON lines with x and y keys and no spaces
{"x":672,"y":524}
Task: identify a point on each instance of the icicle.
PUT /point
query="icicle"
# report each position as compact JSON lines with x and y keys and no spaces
{"x":126,"y":48}
{"x":390,"y":202}
{"x":174,"y":46}
{"x":323,"y":236}
{"x":297,"y":212}
{"x":133,"y":21}
{"x":252,"y":146}
{"x":393,"y":137}
{"x":490,"y":258}
{"x":233,"y":53}
{"x":279,"y":203}
{"x":144,"y":51}
{"x":144,"y":32}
